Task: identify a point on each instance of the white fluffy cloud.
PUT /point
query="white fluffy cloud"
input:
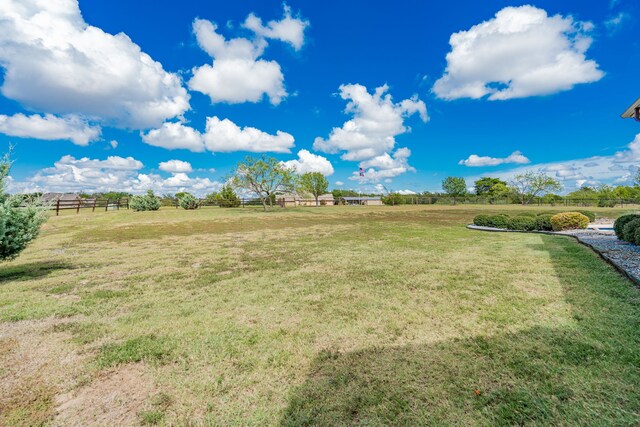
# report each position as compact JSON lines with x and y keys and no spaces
{"x":219,"y":136}
{"x":112,"y":174}
{"x":111,"y":163}
{"x":618,"y":168}
{"x":226,"y":136}
{"x":175,"y":166}
{"x":238,"y":74}
{"x":475,"y":160}
{"x":56,"y":63}
{"x":407,"y":192}
{"x":288,"y":29}
{"x":49,"y":127}
{"x":308,"y":162}
{"x":377,"y":120}
{"x":521,"y":52}
{"x":240,"y":80}
{"x":384,"y":167}
{"x":175,"y":136}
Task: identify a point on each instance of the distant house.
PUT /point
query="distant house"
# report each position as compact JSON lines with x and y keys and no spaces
{"x":295,"y":199}
{"x":364,"y":201}
{"x":63,"y":197}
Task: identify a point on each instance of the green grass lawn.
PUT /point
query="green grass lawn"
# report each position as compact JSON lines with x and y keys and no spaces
{"x":317,"y":316}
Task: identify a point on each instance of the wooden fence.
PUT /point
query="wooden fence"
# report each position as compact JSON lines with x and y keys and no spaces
{"x":93,"y":204}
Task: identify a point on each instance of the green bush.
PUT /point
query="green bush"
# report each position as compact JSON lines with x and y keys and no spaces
{"x":227,"y":198}
{"x":629,"y":230}
{"x":18,"y":226}
{"x":543,"y":222}
{"x":188,"y":201}
{"x":393,"y":199}
{"x":638,"y":236}
{"x":499,"y":221}
{"x":482,"y":220}
{"x":20,"y":217}
{"x":148,"y":202}
{"x":569,"y":221}
{"x":522,"y":223}
{"x":621,"y":222}
{"x":589,"y":214}
{"x":606,"y":203}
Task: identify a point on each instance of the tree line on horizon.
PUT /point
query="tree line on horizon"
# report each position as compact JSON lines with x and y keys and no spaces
{"x":266,"y":177}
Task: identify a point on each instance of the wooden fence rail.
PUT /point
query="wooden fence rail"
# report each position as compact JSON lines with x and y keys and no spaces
{"x":93,"y":204}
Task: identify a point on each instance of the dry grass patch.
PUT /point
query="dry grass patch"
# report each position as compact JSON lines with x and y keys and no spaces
{"x":326,"y":316}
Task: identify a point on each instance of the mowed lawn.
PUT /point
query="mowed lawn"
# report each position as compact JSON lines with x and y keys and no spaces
{"x":316,"y":316}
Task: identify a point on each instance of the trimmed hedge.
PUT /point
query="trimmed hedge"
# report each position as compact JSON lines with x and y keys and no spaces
{"x":621,"y":222}
{"x":522,"y":223}
{"x":543,"y":222}
{"x":569,"y":221}
{"x":499,"y":221}
{"x":629,"y":231}
{"x":482,"y":220}
{"x":530,"y":222}
{"x":589,"y":214}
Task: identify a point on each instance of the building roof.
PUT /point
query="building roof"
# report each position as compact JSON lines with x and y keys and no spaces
{"x":631,"y":111}
{"x":54,"y":197}
{"x":353,"y":199}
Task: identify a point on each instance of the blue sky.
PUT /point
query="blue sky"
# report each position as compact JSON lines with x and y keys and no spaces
{"x":128,"y":96}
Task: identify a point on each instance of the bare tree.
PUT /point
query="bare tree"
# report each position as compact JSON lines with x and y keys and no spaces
{"x":531,"y":184}
{"x":264,"y":176}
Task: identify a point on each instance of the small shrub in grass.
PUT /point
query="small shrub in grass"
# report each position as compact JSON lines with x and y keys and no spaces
{"x":589,"y":214}
{"x":569,"y":221}
{"x":522,"y":223}
{"x":148,"y":202}
{"x":543,"y":222}
{"x":499,"y":221}
{"x":482,"y":220}
{"x":621,"y":222}
{"x":629,"y":230}
{"x":227,"y":197}
{"x":188,"y":202}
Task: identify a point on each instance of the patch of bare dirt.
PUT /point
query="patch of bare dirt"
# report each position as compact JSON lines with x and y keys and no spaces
{"x":34,"y":365}
{"x":114,"y":397}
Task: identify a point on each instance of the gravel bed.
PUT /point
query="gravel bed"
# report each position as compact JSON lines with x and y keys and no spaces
{"x":622,"y":255}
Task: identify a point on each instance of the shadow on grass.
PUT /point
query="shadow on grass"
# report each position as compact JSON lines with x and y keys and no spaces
{"x":30,"y":271}
{"x":583,"y":373}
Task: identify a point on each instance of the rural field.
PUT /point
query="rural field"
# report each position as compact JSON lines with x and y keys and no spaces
{"x":314,"y":316}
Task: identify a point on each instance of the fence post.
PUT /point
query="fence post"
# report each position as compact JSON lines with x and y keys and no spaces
{"x":57,"y":207}
{"x":118,"y":204}
{"x":94,"y":204}
{"x":243,"y":202}
{"x":78,"y":207}
{"x":106,"y":206}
